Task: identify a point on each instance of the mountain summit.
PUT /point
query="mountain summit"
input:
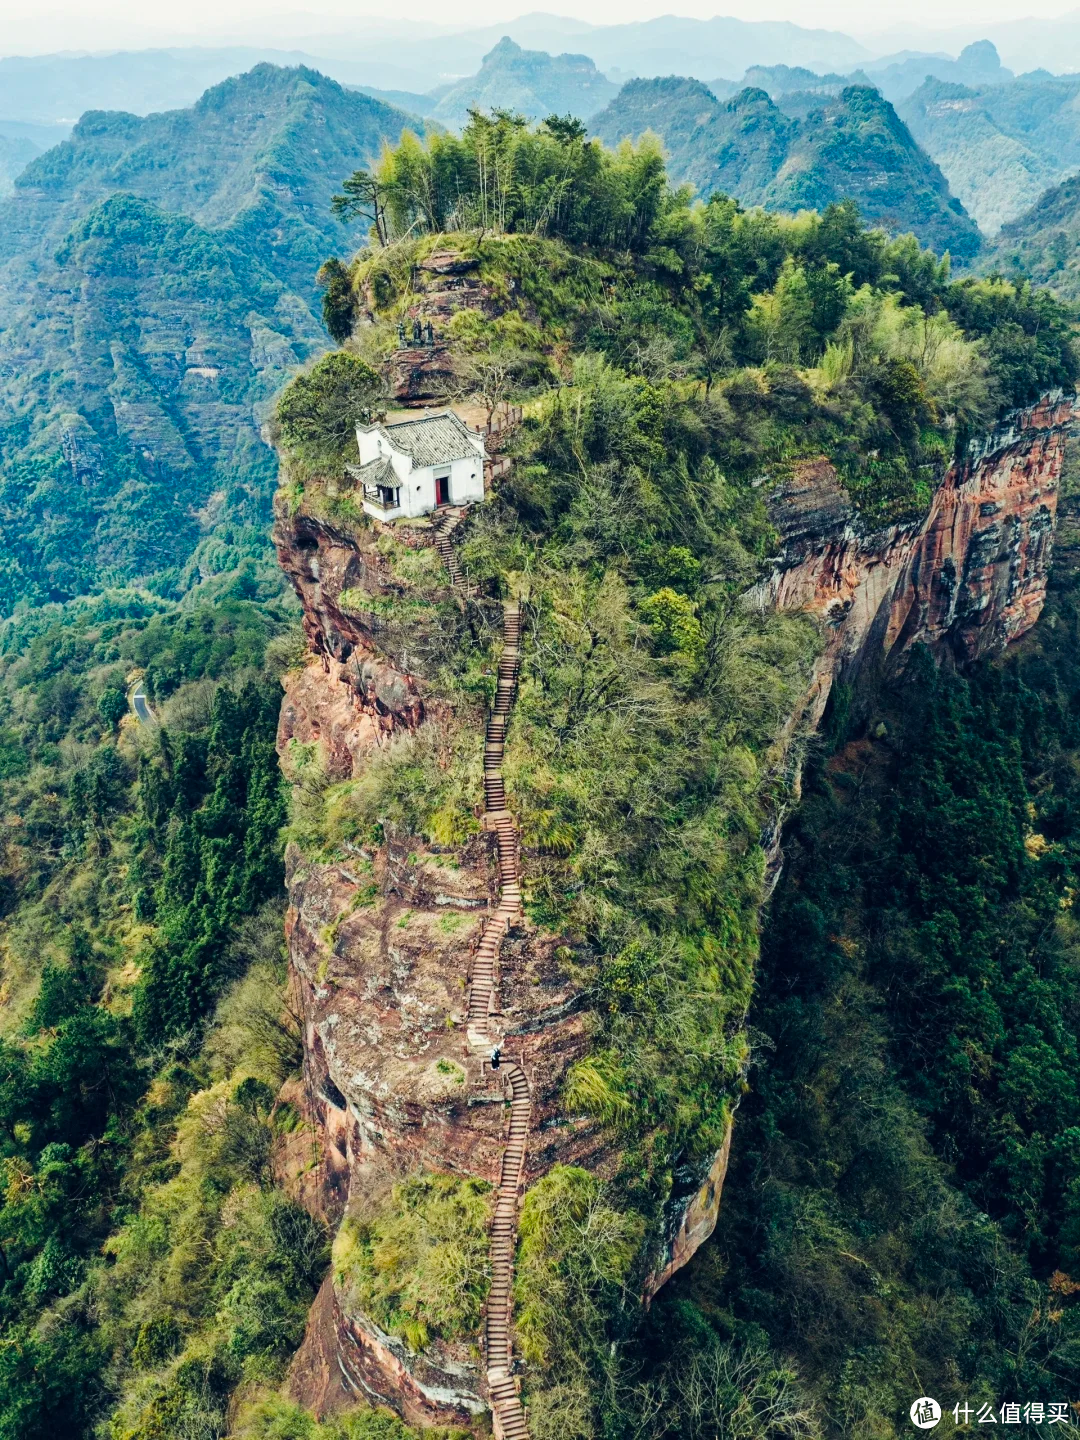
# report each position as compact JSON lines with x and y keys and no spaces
{"x":849,"y":146}
{"x":529,"y":81}
{"x":157,"y":285}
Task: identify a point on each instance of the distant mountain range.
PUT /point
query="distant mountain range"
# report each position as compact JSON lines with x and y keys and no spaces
{"x":852,"y":145}
{"x":998,"y":140}
{"x":669,"y":43}
{"x":413,"y":61}
{"x":1000,"y":145}
{"x":392,"y":54}
{"x":1026,"y":43}
{"x":977,"y":64}
{"x":157,"y":285}
{"x":391,"y":51}
{"x":531,"y":82}
{"x":54,"y":90}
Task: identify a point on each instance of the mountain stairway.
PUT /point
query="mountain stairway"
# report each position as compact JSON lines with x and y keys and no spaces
{"x":446,"y":522}
{"x":507,"y":1409}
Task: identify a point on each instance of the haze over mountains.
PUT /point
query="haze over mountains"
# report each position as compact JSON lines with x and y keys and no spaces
{"x":998,"y":139}
{"x":528,"y":81}
{"x":1001,"y":145}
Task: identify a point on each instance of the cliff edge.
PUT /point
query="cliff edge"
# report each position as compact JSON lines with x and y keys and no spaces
{"x":380,"y":942}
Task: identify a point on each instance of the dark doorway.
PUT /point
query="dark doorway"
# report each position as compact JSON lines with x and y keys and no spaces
{"x":442,"y":489}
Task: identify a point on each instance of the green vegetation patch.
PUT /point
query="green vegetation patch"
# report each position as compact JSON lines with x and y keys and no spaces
{"x":279,"y":1419}
{"x":423,"y":783}
{"x":903,"y":1191}
{"x":418,"y":1263}
{"x":319,"y":411}
{"x":140,"y":881}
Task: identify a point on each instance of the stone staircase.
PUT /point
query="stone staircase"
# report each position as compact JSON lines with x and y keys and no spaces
{"x":446,"y":522}
{"x":507,"y":1409}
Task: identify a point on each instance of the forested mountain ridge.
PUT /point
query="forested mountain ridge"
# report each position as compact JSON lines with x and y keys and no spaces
{"x":157,"y":285}
{"x":1044,"y":243}
{"x":1001,"y":145}
{"x":851,"y":146}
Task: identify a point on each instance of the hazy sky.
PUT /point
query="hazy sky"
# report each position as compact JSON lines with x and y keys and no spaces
{"x":26,"y":27}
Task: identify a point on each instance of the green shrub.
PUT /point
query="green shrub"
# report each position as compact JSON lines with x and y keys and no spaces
{"x":278,"y":1419}
{"x":338,"y":305}
{"x":318,"y":411}
{"x":576,"y":1252}
{"x":674,"y":623}
{"x":112,"y":705}
{"x":423,"y":783}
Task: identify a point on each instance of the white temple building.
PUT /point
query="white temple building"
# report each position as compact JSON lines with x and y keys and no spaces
{"x":412,"y":467}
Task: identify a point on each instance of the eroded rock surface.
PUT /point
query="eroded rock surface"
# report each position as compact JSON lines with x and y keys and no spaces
{"x":967,"y":579}
{"x":380,"y":946}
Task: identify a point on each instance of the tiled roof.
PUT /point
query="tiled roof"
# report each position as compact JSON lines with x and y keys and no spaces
{"x":432,"y":440}
{"x":375,"y":472}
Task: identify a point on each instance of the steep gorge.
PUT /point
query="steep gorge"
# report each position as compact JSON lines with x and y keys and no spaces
{"x":395,"y":1077}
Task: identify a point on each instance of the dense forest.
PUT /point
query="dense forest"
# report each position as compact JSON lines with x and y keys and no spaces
{"x":902,"y":1199}
{"x":154,"y":1277}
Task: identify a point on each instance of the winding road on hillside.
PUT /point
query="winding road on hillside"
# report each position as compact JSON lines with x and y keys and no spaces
{"x":141,"y":705}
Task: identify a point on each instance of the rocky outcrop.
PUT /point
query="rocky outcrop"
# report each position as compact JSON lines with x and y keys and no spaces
{"x":380,"y":947}
{"x":417,"y":374}
{"x":966,"y":579}
{"x":381,"y":937}
{"x":440,"y":285}
{"x":692,"y":1211}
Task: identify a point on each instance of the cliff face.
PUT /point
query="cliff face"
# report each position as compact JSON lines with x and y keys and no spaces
{"x":966,"y":580}
{"x":381,"y":951}
{"x":381,"y":943}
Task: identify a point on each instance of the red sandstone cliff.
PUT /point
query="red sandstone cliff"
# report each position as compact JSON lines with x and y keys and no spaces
{"x":378,"y":942}
{"x":380,"y":947}
{"x":966,"y":579}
